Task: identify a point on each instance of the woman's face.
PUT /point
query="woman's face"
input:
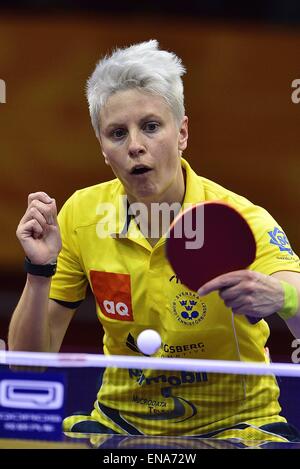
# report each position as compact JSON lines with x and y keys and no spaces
{"x":141,"y":141}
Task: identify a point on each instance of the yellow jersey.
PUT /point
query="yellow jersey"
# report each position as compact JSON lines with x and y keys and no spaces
{"x":135,"y":288}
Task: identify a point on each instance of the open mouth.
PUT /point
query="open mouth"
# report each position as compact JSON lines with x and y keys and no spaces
{"x":140,"y":169}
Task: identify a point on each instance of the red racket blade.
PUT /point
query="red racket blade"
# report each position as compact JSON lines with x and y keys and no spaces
{"x":208,"y":240}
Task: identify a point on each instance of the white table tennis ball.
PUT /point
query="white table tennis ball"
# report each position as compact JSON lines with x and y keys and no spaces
{"x":148,"y":341}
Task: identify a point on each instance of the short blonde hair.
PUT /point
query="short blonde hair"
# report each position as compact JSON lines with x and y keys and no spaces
{"x":143,"y":66}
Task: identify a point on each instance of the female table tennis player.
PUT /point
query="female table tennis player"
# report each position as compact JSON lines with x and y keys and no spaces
{"x":136,"y":104}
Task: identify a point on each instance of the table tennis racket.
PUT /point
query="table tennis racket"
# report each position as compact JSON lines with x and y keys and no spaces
{"x":207,"y":240}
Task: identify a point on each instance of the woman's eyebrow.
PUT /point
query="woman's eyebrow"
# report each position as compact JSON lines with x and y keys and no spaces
{"x":150,"y":117}
{"x":112,"y":125}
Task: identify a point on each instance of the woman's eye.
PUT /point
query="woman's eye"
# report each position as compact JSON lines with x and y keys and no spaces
{"x":151,"y":126}
{"x":118,"y":133}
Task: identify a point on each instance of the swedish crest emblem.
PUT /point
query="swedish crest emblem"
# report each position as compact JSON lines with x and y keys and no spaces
{"x":279,"y":239}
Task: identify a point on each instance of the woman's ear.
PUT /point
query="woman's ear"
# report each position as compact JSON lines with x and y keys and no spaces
{"x":105,"y":158}
{"x":183,"y":134}
{"x":103,"y":153}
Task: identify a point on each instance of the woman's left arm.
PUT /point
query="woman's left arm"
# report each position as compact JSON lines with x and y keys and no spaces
{"x":294,"y":279}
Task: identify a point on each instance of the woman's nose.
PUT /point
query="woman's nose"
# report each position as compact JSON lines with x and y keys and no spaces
{"x":136,"y":146}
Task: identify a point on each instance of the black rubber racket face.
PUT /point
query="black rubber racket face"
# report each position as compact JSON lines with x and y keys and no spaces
{"x":208,"y":240}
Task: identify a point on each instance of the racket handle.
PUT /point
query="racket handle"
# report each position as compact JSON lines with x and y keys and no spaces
{"x":252,"y":319}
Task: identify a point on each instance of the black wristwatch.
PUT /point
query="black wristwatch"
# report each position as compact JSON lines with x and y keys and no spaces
{"x":47,"y":270}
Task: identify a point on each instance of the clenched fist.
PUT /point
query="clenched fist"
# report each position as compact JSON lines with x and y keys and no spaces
{"x":38,"y":230}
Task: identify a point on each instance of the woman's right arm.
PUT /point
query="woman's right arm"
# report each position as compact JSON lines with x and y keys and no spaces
{"x":39,"y":324}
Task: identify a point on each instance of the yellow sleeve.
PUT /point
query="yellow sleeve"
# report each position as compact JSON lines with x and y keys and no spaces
{"x":70,"y":281}
{"x":274,"y":252}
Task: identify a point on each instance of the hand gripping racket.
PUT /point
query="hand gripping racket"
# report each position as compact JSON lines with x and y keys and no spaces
{"x":207,"y":240}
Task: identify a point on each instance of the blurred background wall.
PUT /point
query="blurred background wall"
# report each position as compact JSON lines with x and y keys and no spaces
{"x":244,"y":127}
